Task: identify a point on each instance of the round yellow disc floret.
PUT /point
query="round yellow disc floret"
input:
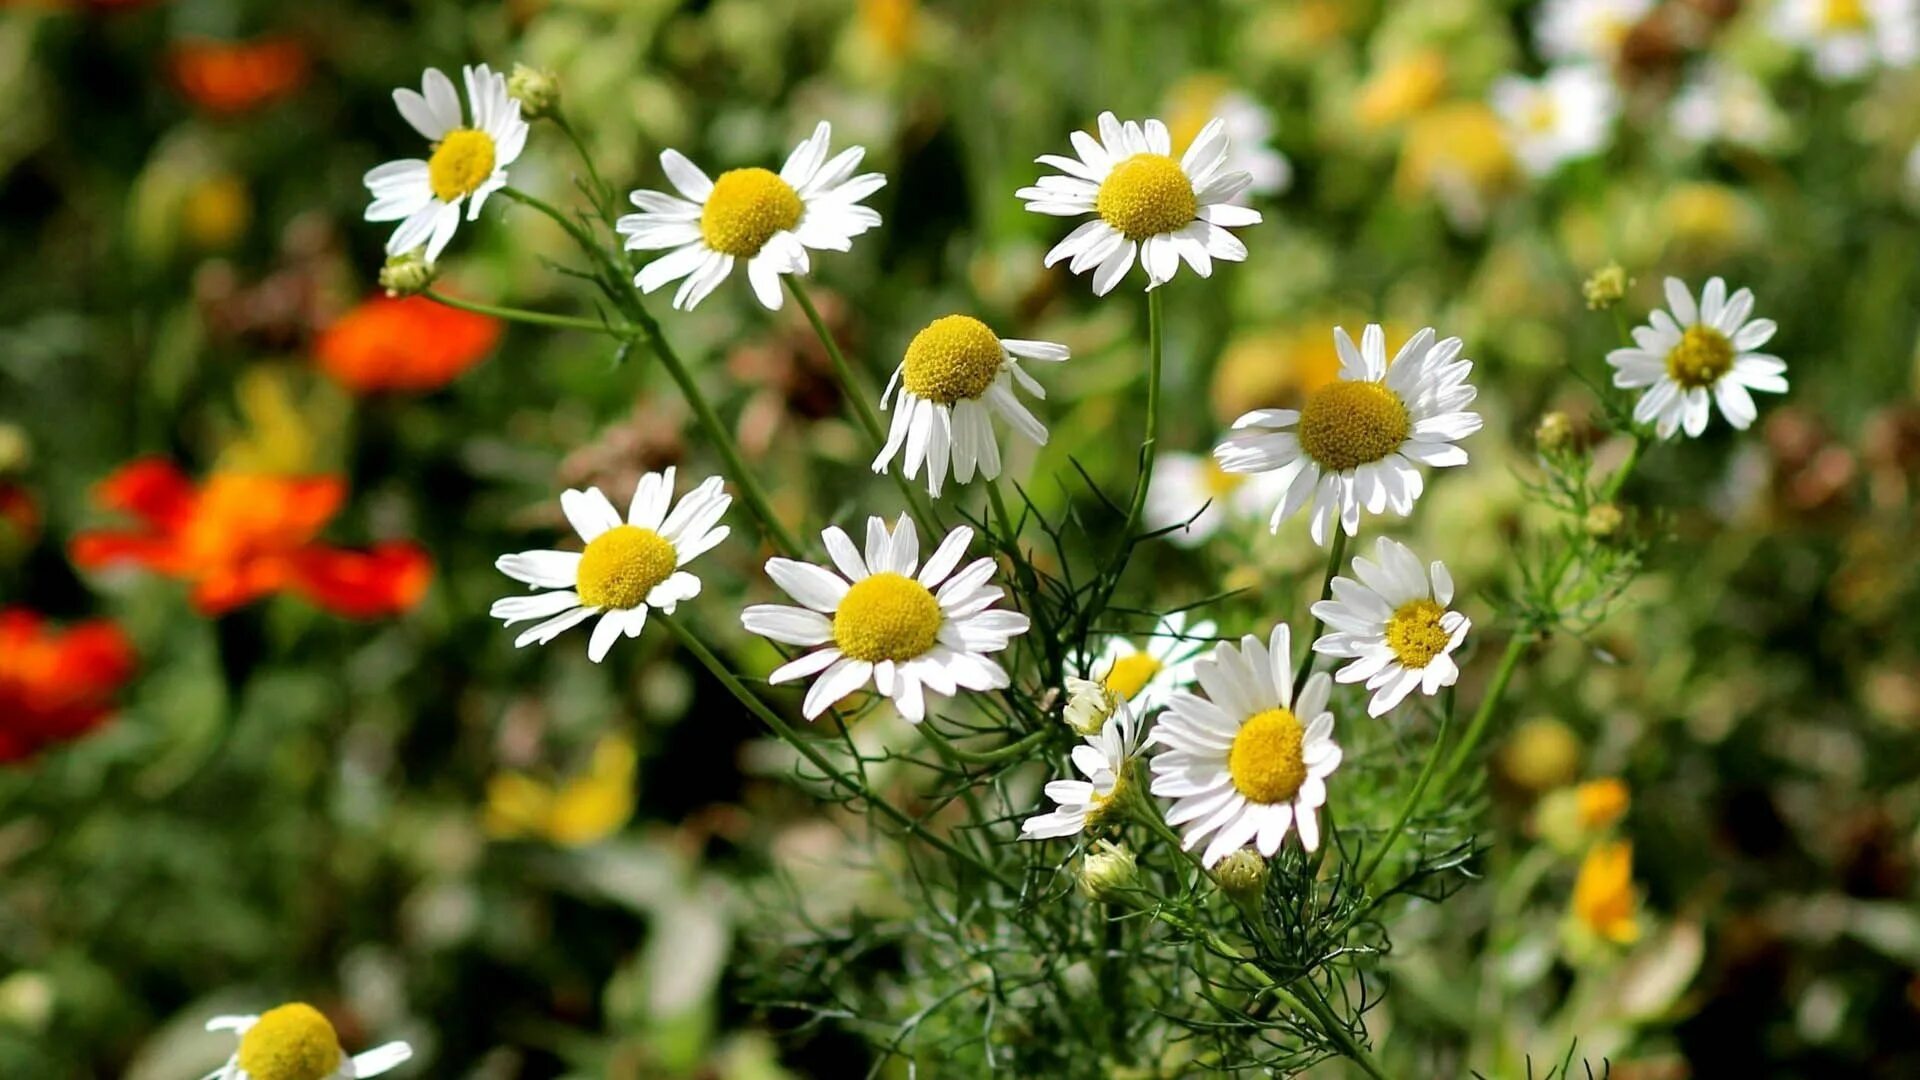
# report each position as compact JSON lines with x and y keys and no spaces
{"x":886,"y":617}
{"x":1415,"y":635}
{"x":954,"y":358}
{"x":1146,"y":195}
{"x":1267,"y":763}
{"x":745,"y":209}
{"x":1348,"y":423}
{"x":292,"y":1042}
{"x":1131,"y":673}
{"x":622,"y":565}
{"x":460,"y":164}
{"x":1703,"y":355}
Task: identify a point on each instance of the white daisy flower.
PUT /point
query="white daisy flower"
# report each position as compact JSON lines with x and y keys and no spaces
{"x":1565,"y":115}
{"x":1249,"y":125}
{"x":625,"y":570}
{"x":1395,"y":625}
{"x":1192,"y":495}
{"x":1358,"y":440}
{"x":1721,"y":104}
{"x":1248,"y":762}
{"x":768,"y":219}
{"x":956,"y":374}
{"x":296,"y":1042}
{"x":469,"y":162}
{"x":878,"y":621}
{"x":1103,"y":760}
{"x":1147,"y":204}
{"x":1699,"y":354}
{"x":1846,"y":38}
{"x":1571,"y":30}
{"x":1148,"y":677}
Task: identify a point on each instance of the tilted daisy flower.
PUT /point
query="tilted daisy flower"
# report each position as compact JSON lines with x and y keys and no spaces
{"x":625,"y":570}
{"x":1103,"y":759}
{"x":878,"y":621}
{"x":956,"y":374}
{"x":1357,"y":441}
{"x":769,"y":219}
{"x":1700,"y":353}
{"x":1248,"y":762}
{"x":1147,"y":677}
{"x":1564,"y":115}
{"x":1147,"y":204}
{"x":1395,"y":625}
{"x":469,"y":161}
{"x":296,"y":1042}
{"x":1846,"y":38}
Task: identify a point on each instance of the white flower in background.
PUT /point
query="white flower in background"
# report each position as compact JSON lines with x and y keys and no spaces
{"x":468,"y":163}
{"x":768,"y":219}
{"x":1147,"y":677}
{"x":956,"y":374}
{"x":296,"y":1042}
{"x":1192,"y":495}
{"x":1358,"y":441}
{"x":1721,"y":104}
{"x":877,"y":621}
{"x":1248,"y":762}
{"x":1102,"y":759}
{"x":1249,"y":126}
{"x":1394,"y":623}
{"x":1698,"y":355}
{"x":1146,"y":203}
{"x":626,"y":568}
{"x":1089,"y":703}
{"x":1846,"y":38}
{"x":1573,"y":30}
{"x":1565,"y":115}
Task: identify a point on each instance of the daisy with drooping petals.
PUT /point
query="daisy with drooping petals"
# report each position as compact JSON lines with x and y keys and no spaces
{"x":297,"y":1042}
{"x":878,"y":621}
{"x":469,"y":161}
{"x":1395,"y":625}
{"x":1563,"y":116}
{"x":1698,"y":355}
{"x":956,"y":374}
{"x":1358,"y":440}
{"x":1146,"y":203}
{"x":1147,"y":677}
{"x":769,"y":219}
{"x":1103,"y":759}
{"x":625,"y":570}
{"x":1248,"y":762}
{"x":1846,"y":38}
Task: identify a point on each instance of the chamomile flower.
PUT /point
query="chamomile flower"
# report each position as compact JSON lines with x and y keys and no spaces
{"x":1146,"y":203}
{"x":1394,"y":623}
{"x":878,"y":621}
{"x":1249,"y":125}
{"x":1147,"y":677}
{"x":1103,"y":760}
{"x":627,"y":568}
{"x":1847,"y":38}
{"x":1357,"y":441}
{"x":1587,"y":29}
{"x":1248,"y":762}
{"x":296,"y":1042}
{"x":1722,"y":104}
{"x":956,"y":374}
{"x":1564,"y":115}
{"x":769,"y":219}
{"x":468,"y":163}
{"x":1698,"y":355}
{"x":1192,"y":495}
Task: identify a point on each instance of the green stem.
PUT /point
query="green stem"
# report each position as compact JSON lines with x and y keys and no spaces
{"x":1412,"y":803}
{"x":1028,"y":580}
{"x":536,"y":318}
{"x":1123,"y":549}
{"x":1012,"y":751}
{"x":1334,"y":555}
{"x":1309,"y":995}
{"x":1476,"y":727}
{"x":574,"y":229}
{"x":603,"y":195}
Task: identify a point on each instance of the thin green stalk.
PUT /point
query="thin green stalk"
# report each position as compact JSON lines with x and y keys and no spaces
{"x":1012,"y":751}
{"x":603,"y":195}
{"x":1123,"y":548}
{"x":1309,"y":994}
{"x":1477,"y":727}
{"x":1028,"y":580}
{"x":1334,"y":557}
{"x":1412,"y":803}
{"x":536,"y":318}
{"x":574,"y":229}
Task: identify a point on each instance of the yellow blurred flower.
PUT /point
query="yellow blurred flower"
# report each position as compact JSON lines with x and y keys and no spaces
{"x":1603,"y":898}
{"x":215,"y":212}
{"x":289,"y":425}
{"x":1401,"y":89}
{"x":575,"y":813}
{"x":893,"y":25}
{"x":1279,"y":366}
{"x":1540,"y":755}
{"x":1457,"y":154}
{"x":1708,"y":220}
{"x":1571,"y":818}
{"x":1602,"y":803}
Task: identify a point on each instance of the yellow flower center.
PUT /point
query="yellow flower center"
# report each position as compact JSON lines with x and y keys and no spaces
{"x":292,"y":1042}
{"x":1101,"y":807}
{"x":1347,"y":423}
{"x":1266,"y":761}
{"x":1146,"y":195}
{"x":622,"y":565}
{"x":745,"y":209}
{"x":955,"y":357}
{"x":1542,"y":114}
{"x":460,"y":164}
{"x":1844,"y":15}
{"x":1703,"y":355}
{"x":1131,"y":673}
{"x":886,"y":617}
{"x":1415,"y":634}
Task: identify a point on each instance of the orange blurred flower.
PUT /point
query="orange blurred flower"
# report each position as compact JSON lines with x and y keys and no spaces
{"x":232,"y":77}
{"x":56,"y":685}
{"x":1603,"y":898}
{"x":241,"y":536}
{"x":409,"y":343}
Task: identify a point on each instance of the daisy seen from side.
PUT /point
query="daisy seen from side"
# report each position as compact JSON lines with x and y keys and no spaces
{"x":297,"y":1042}
{"x":468,"y":162}
{"x":1392,"y":620}
{"x":1104,"y":759}
{"x":1693,"y":355}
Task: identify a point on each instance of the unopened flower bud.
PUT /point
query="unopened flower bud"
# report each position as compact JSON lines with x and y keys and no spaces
{"x":1606,"y":286}
{"x":1603,"y":520}
{"x":1242,"y":875}
{"x":1108,"y":870}
{"x":1089,"y":703}
{"x":407,"y":274}
{"x":538,"y":92}
{"x":1554,"y":433}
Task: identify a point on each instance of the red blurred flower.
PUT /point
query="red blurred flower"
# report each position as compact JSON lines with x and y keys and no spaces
{"x":56,"y":685}
{"x":232,"y":77}
{"x":241,"y":536}
{"x":410,"y":343}
{"x":19,"y":515}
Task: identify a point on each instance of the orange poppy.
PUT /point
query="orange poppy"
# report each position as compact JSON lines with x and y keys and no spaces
{"x":232,"y":77}
{"x":406,"y":343}
{"x":242,"y":536}
{"x":56,"y":685}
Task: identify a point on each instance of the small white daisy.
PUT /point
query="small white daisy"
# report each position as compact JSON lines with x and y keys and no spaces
{"x":769,"y":219}
{"x":1147,"y":677}
{"x":468,"y":163}
{"x":880,"y":622}
{"x":625,"y":570}
{"x":296,"y":1042}
{"x":1698,"y":355}
{"x":1572,"y":30}
{"x":1192,"y":495}
{"x":1722,"y":104}
{"x":956,"y":374}
{"x":1358,"y":440}
{"x":1249,"y":125}
{"x":1395,"y":625}
{"x":1147,"y":204}
{"x":1564,"y":115}
{"x":1103,"y":760}
{"x":1848,"y":37}
{"x":1248,"y":762}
